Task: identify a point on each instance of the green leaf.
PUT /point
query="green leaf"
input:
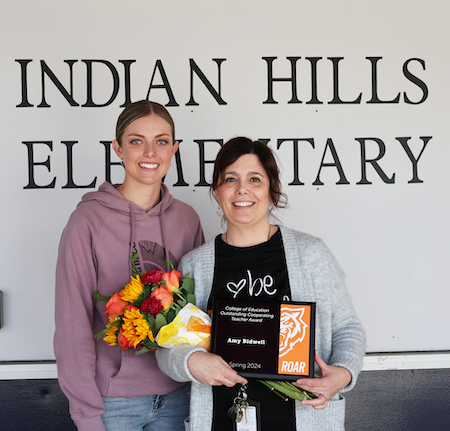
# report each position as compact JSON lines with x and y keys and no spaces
{"x":170,"y":315}
{"x":160,"y":321}
{"x":100,"y":334}
{"x":147,"y":346}
{"x":142,"y":351}
{"x":188,"y":285}
{"x":153,"y":345}
{"x":96,"y":295}
{"x":191,"y":298}
{"x":145,"y":349}
{"x":134,"y":269}
{"x":181,"y":303}
{"x":150,"y":320}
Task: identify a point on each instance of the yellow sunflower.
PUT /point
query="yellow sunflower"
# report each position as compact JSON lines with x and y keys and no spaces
{"x":132,"y":290}
{"x":135,"y":327}
{"x":110,"y":332}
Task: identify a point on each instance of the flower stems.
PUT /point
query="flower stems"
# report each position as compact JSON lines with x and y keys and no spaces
{"x":286,"y":390}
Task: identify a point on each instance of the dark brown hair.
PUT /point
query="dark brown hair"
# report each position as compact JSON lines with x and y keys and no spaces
{"x":237,"y":147}
{"x":141,"y":109}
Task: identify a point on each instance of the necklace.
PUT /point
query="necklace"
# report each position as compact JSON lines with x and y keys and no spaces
{"x":226,"y":235}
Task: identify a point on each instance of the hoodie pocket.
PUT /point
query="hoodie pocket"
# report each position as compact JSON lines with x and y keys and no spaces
{"x":139,"y":376}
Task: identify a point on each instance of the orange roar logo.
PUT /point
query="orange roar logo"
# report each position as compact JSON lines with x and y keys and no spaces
{"x":292,"y":328}
{"x":293,"y":354}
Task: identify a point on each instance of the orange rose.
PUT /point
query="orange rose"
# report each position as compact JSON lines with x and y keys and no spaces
{"x":123,"y":341}
{"x":164,"y":296}
{"x":172,"y":279}
{"x":115,"y":306}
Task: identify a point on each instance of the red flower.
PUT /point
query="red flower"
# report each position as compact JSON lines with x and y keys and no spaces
{"x":152,"y":276}
{"x":151,"y":305}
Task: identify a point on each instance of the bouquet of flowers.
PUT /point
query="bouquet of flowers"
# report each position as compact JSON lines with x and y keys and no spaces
{"x":154,"y":310}
{"x":158,"y":309}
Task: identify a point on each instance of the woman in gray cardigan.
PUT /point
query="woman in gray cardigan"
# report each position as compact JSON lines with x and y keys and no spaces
{"x":300,"y":267}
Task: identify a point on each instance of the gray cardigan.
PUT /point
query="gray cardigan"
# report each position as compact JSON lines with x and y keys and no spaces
{"x":314,"y":276}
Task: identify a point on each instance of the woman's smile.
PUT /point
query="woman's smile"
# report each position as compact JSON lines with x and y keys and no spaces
{"x":243,"y":204}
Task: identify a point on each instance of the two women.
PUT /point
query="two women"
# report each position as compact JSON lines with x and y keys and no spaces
{"x":110,"y":389}
{"x":246,"y":186}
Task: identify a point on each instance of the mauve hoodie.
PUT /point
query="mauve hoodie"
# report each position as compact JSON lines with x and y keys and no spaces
{"x":94,"y":254}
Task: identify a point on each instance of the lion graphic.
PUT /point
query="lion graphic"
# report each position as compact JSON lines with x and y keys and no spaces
{"x":292,"y":329}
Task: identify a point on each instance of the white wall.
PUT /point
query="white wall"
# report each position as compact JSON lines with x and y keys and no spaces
{"x":391,"y":239}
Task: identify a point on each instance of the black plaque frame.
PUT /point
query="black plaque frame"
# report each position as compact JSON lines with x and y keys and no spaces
{"x":251,"y":346}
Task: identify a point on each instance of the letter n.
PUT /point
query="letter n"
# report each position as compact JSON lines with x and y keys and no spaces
{"x":68,"y":95}
{"x":216,"y":94}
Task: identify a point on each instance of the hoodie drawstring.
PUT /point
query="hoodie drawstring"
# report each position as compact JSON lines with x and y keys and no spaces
{"x":131,"y":251}
{"x":163,"y":235}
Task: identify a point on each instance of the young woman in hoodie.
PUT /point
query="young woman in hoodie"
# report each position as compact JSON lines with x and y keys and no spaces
{"x":109,"y":388}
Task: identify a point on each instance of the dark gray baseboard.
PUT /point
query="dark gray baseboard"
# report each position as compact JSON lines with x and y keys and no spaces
{"x":34,"y":405}
{"x":413,"y":400}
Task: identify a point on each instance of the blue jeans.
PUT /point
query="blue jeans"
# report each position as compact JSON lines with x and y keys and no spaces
{"x":152,"y":413}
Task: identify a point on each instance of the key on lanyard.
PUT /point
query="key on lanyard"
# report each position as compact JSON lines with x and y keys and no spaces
{"x":241,"y":404}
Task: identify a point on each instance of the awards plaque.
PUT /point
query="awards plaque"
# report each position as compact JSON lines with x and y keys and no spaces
{"x":265,"y":340}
